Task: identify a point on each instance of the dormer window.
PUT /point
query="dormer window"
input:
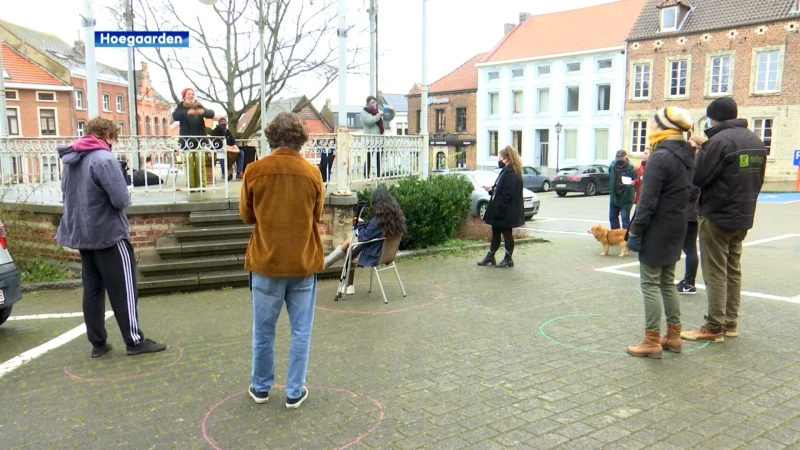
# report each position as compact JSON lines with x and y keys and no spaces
{"x":673,"y":14}
{"x":669,"y":19}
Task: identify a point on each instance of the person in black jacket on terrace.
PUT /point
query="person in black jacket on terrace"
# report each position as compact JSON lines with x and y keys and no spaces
{"x":730,"y":173}
{"x":191,"y":115}
{"x":505,"y":211}
{"x":659,"y":227}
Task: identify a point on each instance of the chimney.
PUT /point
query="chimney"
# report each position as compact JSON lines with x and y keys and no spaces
{"x":80,"y":47}
{"x":523,"y":17}
{"x":508,"y":27}
{"x":144,"y":68}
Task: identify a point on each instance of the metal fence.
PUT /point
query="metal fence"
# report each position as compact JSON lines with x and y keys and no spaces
{"x":170,"y":169}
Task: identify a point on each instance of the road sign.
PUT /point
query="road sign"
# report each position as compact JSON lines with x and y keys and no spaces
{"x":797,"y":157}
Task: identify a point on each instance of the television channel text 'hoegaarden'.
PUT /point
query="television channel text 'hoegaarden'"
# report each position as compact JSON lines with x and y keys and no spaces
{"x":141,"y":39}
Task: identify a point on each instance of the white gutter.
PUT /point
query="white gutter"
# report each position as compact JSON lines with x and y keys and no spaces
{"x":553,"y":56}
{"x":38,"y":87}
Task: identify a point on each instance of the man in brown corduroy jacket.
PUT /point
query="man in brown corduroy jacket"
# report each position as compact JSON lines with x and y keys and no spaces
{"x":283,"y":196}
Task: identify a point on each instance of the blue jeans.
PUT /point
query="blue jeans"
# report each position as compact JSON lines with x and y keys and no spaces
{"x":614,"y":212}
{"x":269,"y":294}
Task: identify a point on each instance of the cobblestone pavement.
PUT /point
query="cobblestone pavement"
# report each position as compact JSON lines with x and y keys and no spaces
{"x":483,"y":358}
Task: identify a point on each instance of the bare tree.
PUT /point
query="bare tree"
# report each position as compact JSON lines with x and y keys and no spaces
{"x":300,"y":39}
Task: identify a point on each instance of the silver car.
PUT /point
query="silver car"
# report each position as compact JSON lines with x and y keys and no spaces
{"x":480,"y":198}
{"x":9,"y":279}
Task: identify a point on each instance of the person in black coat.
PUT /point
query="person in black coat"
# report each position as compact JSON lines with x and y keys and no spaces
{"x":686,"y":285}
{"x":659,"y":226}
{"x":505,"y":211}
{"x":191,"y":115}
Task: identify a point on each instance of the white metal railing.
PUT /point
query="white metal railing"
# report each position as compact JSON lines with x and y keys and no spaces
{"x":31,"y":170}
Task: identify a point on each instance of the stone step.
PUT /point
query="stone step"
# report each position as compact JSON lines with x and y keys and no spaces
{"x":211,"y":218}
{"x":181,"y":250}
{"x":197,"y":265}
{"x":212,"y":233}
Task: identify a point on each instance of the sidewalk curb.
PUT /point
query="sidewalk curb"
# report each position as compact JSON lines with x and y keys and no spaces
{"x":51,"y":285}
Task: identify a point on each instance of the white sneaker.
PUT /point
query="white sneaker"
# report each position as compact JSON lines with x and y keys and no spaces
{"x":351,"y":290}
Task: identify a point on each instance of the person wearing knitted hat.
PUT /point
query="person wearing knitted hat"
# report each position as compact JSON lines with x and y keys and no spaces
{"x":730,"y":173}
{"x":191,"y":115}
{"x":659,"y":225}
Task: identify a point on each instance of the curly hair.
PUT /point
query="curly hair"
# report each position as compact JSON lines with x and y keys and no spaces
{"x":102,"y":128}
{"x":286,"y":130}
{"x":513,"y":158}
{"x":387,"y":211}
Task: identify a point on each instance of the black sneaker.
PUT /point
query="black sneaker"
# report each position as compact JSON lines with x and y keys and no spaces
{"x":146,"y":346}
{"x":259,"y":397}
{"x":296,"y":402}
{"x":100,"y":350}
{"x":685,"y":288}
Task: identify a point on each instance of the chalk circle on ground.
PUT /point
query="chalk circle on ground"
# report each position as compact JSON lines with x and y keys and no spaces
{"x":374,"y":299}
{"x":111,"y":363}
{"x":584,"y":328}
{"x":312,"y":411}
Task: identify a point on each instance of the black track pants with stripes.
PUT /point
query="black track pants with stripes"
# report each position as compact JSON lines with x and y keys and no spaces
{"x":111,"y":270}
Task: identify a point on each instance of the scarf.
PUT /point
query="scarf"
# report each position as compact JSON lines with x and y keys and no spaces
{"x":662,"y":135}
{"x":374,"y":112}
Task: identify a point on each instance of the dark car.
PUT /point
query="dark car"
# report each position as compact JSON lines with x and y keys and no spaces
{"x":533,"y":180}
{"x":589,"y":180}
{"x":9,"y":279}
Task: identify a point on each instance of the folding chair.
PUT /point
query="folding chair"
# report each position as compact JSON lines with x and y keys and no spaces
{"x":388,"y":253}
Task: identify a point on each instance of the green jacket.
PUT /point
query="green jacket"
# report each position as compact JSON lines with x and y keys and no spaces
{"x":626,"y":200}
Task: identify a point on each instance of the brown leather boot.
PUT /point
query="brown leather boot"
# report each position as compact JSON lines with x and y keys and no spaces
{"x":672,"y":339}
{"x":650,"y":347}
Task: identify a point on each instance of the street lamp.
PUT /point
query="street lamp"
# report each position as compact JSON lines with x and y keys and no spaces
{"x":559,"y":127}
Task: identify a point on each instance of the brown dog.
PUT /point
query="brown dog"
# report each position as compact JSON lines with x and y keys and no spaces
{"x":610,"y":238}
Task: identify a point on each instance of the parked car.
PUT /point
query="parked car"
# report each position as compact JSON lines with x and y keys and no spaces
{"x":590,"y":180}
{"x":9,"y":279}
{"x":533,"y":180}
{"x":480,"y":198}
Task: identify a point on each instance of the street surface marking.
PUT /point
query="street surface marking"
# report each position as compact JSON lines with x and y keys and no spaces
{"x":575,"y":220}
{"x":46,"y":316}
{"x":559,"y":231}
{"x":17,"y":361}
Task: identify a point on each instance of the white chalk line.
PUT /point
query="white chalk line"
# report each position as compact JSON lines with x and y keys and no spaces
{"x":28,"y":356}
{"x":559,"y":232}
{"x":46,"y":316}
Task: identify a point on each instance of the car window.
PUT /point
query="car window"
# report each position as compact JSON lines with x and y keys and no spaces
{"x":529,"y":171}
{"x":590,"y":170}
{"x":568,"y":171}
{"x":600,"y":169}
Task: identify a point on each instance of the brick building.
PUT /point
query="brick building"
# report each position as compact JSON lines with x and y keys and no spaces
{"x":452,"y":116}
{"x":688,"y":52}
{"x":153,"y":111}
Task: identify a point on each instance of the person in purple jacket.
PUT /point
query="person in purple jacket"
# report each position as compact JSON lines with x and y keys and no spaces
{"x":94,"y":195}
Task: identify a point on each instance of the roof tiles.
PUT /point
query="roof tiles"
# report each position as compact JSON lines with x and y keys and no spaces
{"x":22,"y":70}
{"x":464,"y":78}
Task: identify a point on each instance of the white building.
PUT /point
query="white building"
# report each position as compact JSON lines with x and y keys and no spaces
{"x":565,"y":68}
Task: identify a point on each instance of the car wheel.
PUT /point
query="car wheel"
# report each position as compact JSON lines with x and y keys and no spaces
{"x":561,"y":193}
{"x":482,"y":207}
{"x":591,"y":189}
{"x":4,"y":313}
{"x":546,"y":186}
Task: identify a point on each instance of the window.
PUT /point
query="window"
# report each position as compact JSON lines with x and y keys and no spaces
{"x":494,"y":76}
{"x":106,"y":102}
{"x":351,"y":121}
{"x":440,"y":120}
{"x":543,"y":70}
{"x":517,"y":73}
{"x":12,"y":119}
{"x":767,"y":75}
{"x":601,"y":144}
{"x":573,"y":67}
{"x":518,"y":102}
{"x":641,"y":81}
{"x":571,"y":144}
{"x":604,"y":97}
{"x":46,"y":96}
{"x":121,"y":128}
{"x":604,"y":64}
{"x":677,"y":78}
{"x":573,"y":98}
{"x":47,"y":122}
{"x":669,"y":19}
{"x":156,"y":127}
{"x":147,"y":126}
{"x":763,"y":129}
{"x":494,"y":103}
{"x":516,"y":140}
{"x":119,"y":103}
{"x":720,"y":75}
{"x":461,"y":119}
{"x":165,"y":128}
{"x":493,"y":143}
{"x":639,"y":136}
{"x":81,"y":127}
{"x":544,"y":101}
{"x":12,"y":95}
{"x":419,"y":121}
{"x":79,"y":101}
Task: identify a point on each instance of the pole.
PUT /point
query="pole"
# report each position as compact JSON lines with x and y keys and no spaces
{"x":424,"y":159}
{"x":132,"y":122}
{"x":3,"y":110}
{"x":91,"y":65}
{"x":558,"y":149}
{"x":373,"y":49}
{"x":262,"y":144}
{"x":342,"y":135}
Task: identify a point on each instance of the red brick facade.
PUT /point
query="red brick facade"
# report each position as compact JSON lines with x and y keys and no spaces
{"x":26,"y":108}
{"x":153,"y":112}
{"x":112,"y":91}
{"x":455,"y":101}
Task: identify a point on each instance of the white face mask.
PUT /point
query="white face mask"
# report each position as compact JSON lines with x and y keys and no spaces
{"x":709,"y":124}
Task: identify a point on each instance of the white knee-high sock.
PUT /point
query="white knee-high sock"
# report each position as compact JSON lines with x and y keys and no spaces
{"x":334,"y":256}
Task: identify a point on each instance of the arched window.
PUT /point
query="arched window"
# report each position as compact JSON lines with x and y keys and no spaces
{"x":164,"y":127}
{"x":156,"y":127}
{"x":138,"y":124}
{"x":147,"y":126}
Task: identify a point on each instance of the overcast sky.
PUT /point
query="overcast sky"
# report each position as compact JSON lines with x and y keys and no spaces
{"x":456,"y":33}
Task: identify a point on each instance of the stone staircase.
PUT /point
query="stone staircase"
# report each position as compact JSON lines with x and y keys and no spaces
{"x":207,"y":253}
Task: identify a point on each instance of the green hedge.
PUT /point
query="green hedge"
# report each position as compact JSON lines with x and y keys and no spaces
{"x":435,"y":208}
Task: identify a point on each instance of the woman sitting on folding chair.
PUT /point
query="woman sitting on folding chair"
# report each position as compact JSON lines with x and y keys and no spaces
{"x":387,"y":221}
